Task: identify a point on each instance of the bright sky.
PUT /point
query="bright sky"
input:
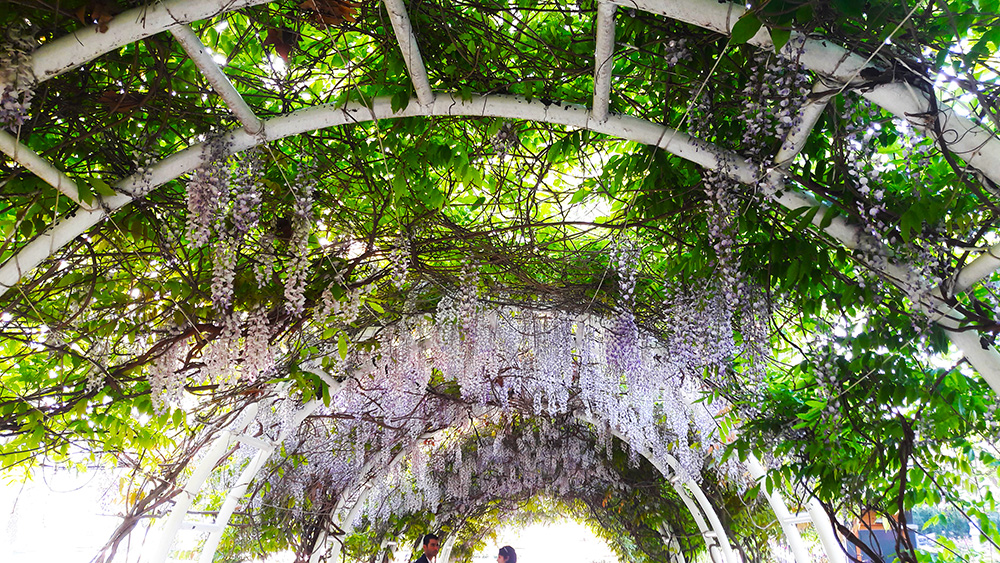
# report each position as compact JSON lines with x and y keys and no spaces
{"x":57,"y":505}
{"x":68,"y":506}
{"x":563,"y":541}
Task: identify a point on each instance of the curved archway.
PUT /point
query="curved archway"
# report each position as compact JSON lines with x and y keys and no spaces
{"x":975,"y":145}
{"x":354,"y":496}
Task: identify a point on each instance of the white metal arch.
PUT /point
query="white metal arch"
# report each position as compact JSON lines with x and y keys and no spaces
{"x":986,"y":361}
{"x":699,"y":506}
{"x":700,"y":509}
{"x":175,"y":521}
{"x":975,"y":145}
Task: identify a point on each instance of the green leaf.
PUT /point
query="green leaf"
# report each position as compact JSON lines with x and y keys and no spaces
{"x":400,"y":100}
{"x":792,"y":274}
{"x":807,"y":219}
{"x":910,"y":222}
{"x":84,"y":191}
{"x":780,"y":37}
{"x":579,"y":196}
{"x":745,"y":29}
{"x":850,"y":8}
{"x":342,"y":345}
{"x":804,"y":14}
{"x":102,"y":187}
{"x":828,"y":216}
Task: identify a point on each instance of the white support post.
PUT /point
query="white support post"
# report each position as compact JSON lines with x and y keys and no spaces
{"x":220,"y":82}
{"x":194,"y":483}
{"x":827,"y":535}
{"x":696,"y":514}
{"x":411,"y":52}
{"x":31,"y":161}
{"x":792,"y":535}
{"x":445,"y":555}
{"x":176,"y":518}
{"x":713,"y":519}
{"x":235,"y":494}
{"x":603,"y":59}
{"x":673,"y":546}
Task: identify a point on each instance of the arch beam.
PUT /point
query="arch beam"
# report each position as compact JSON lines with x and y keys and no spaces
{"x":33,"y":162}
{"x":973,"y":144}
{"x":411,"y":51}
{"x":202,"y":59}
{"x":604,"y":59}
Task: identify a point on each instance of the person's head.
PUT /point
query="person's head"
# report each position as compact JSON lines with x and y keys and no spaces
{"x":507,"y":555}
{"x":432,"y":544}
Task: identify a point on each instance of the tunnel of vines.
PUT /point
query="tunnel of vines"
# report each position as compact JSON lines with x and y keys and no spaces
{"x":316,"y":278}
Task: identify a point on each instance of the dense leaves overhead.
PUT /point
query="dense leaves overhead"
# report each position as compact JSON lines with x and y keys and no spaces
{"x":275,"y":273}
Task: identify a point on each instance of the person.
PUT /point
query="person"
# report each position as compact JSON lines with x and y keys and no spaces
{"x":432,"y":544}
{"x":507,"y":555}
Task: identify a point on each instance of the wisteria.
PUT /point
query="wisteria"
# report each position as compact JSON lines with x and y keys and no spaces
{"x":165,"y":379}
{"x":721,"y":190}
{"x":207,"y":192}
{"x":16,"y":79}
{"x":532,"y":360}
{"x":246,"y":195}
{"x":221,"y":357}
{"x":257,"y":353}
{"x":454,"y":473}
{"x":775,"y":92}
{"x":297,"y":270}
{"x":224,"y":255}
{"x":622,"y":353}
{"x":264,"y":266}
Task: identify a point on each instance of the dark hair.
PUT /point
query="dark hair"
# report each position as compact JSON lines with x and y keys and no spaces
{"x":429,"y":537}
{"x":508,"y":553}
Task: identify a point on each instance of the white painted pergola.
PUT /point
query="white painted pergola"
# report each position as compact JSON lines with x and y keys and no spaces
{"x":975,"y":146}
{"x":352,"y":501}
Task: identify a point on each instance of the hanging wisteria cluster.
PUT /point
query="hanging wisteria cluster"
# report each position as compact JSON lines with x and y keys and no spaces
{"x":298,"y":269}
{"x":165,"y":381}
{"x":775,"y":92}
{"x":16,"y":79}
{"x":540,"y":362}
{"x":488,"y":460}
{"x":396,"y":429}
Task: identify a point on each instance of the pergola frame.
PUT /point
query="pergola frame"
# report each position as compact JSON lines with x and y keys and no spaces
{"x":974,"y":145}
{"x":353,"y":499}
